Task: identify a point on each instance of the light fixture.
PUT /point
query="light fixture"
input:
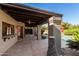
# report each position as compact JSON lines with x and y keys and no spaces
{"x":29,"y":20}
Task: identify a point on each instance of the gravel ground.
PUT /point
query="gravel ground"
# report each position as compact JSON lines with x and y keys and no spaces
{"x":69,"y":52}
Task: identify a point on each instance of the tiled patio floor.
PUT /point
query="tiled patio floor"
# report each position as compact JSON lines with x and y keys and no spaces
{"x":28,"y":47}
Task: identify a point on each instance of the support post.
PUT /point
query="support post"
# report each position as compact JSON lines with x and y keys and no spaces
{"x":54,"y":38}
{"x":39,"y":32}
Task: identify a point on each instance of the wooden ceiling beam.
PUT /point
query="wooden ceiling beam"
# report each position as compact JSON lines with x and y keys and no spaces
{"x":21,"y":16}
{"x":24,"y":19}
{"x":27,"y":13}
{"x":26,"y":16}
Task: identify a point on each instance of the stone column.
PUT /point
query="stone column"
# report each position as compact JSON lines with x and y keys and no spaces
{"x":54,"y":38}
{"x":39,"y":32}
{"x":35,"y":32}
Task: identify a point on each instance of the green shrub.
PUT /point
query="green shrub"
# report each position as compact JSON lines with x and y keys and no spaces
{"x":74,"y":43}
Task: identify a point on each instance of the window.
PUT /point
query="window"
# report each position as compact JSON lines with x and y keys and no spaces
{"x":7,"y":30}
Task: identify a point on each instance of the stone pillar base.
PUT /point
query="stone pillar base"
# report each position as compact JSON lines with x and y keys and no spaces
{"x":51,"y":48}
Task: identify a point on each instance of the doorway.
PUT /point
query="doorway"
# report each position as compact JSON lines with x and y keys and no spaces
{"x":28,"y":31}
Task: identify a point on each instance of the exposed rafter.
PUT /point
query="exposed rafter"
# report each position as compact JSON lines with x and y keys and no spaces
{"x":28,"y":15}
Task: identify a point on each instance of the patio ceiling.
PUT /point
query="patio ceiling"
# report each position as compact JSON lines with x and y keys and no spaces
{"x":26,"y":14}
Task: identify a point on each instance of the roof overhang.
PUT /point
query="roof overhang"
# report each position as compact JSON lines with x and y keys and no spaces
{"x":25,"y":13}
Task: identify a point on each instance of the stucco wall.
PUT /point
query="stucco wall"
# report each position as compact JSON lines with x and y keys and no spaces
{"x":9,"y":42}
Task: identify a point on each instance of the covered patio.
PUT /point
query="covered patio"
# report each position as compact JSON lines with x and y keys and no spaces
{"x":28,"y":47}
{"x":33,"y":18}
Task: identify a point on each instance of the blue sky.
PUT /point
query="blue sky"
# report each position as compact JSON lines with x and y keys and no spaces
{"x":70,"y":11}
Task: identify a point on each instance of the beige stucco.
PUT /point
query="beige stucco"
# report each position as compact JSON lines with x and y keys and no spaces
{"x":8,"y":19}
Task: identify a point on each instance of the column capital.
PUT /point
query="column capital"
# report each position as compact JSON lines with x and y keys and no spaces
{"x":51,"y":21}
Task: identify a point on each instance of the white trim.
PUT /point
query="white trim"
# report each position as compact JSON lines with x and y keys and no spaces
{"x":51,"y":36}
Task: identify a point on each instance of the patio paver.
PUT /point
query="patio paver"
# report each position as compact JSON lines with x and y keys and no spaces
{"x":28,"y":47}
